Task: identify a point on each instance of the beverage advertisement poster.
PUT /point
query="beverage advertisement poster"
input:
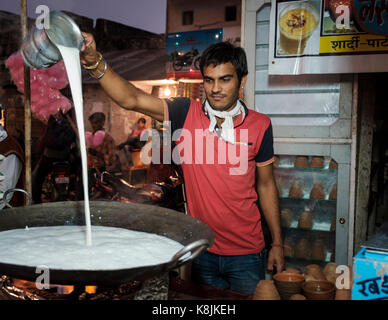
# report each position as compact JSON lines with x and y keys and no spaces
{"x":184,"y":50}
{"x":328,"y":36}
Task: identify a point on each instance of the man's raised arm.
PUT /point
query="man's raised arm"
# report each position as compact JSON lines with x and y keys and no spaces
{"x":121,"y":91}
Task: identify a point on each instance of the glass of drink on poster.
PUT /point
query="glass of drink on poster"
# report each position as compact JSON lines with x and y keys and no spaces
{"x":297,"y":21}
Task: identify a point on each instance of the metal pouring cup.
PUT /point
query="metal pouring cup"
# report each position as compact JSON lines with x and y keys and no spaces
{"x":39,"y":49}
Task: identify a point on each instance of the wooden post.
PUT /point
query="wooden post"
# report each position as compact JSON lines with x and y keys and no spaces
{"x":27,"y":100}
{"x":367,"y":105}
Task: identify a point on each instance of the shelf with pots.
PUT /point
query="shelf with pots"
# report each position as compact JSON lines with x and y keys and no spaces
{"x":307,"y":188}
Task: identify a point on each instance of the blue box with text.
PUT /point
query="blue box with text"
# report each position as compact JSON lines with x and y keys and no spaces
{"x":370,"y":275}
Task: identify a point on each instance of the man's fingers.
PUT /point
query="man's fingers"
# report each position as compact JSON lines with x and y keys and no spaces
{"x":270,"y":265}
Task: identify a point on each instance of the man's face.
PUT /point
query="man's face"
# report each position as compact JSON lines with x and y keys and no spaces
{"x":221,"y":86}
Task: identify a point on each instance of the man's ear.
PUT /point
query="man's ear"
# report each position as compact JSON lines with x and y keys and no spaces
{"x":241,"y":89}
{"x":243,"y":82}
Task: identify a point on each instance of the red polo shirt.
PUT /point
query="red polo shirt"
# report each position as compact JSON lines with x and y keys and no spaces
{"x":219,"y":176}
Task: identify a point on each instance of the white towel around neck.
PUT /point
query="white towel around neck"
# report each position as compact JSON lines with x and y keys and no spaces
{"x":227,"y":127}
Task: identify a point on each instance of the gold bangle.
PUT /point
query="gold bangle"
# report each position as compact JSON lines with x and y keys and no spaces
{"x":94,"y":66}
{"x":102,"y":73}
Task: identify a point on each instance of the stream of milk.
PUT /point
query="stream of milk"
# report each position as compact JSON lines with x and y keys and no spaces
{"x":73,"y":67}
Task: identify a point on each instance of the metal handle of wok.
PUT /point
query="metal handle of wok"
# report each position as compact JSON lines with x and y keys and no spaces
{"x":182,"y":256}
{"x":16,"y":190}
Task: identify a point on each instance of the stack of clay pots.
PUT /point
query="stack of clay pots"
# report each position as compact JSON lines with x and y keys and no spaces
{"x":305,"y":220}
{"x":301,"y":162}
{"x":317,"y":162}
{"x":317,"y":284}
{"x":302,"y":249}
{"x":286,"y":217}
{"x":314,"y":272}
{"x":288,"y":249}
{"x":317,"y":191}
{"x":329,"y":271}
{"x":296,"y":190}
{"x":318,"y":250}
{"x":266,"y":290}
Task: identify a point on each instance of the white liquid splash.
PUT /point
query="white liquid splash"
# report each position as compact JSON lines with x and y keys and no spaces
{"x":73,"y":67}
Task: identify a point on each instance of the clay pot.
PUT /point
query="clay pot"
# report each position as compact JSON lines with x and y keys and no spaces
{"x":317,"y":162}
{"x":315,"y":272}
{"x":288,"y":248}
{"x":333,"y":193}
{"x":301,"y":162}
{"x":333,"y":164}
{"x":296,"y":190}
{"x":318,"y":250}
{"x":266,"y":290}
{"x":329,"y":272}
{"x":330,"y":268}
{"x":293,"y":270}
{"x":318,"y":290}
{"x":343,"y":294}
{"x":317,"y":191}
{"x":298,"y":297}
{"x":286,"y":217}
{"x":305,"y":220}
{"x":288,"y":284}
{"x":302,"y":249}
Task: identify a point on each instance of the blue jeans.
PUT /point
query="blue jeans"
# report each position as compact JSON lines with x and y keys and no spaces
{"x":237,"y":273}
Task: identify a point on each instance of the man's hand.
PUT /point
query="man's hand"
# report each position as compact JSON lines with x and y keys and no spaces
{"x":275,"y":259}
{"x":88,"y":55}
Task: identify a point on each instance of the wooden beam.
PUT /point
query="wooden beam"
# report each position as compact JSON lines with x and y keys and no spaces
{"x":27,"y":100}
{"x":367,"y":93}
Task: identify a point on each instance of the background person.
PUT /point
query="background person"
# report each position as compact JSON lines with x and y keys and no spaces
{"x":101,"y":146}
{"x":56,"y":146}
{"x":136,"y":139}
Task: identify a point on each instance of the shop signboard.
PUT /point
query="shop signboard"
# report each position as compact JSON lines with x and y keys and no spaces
{"x":328,"y":36}
{"x":184,"y":50}
{"x":370,"y":275}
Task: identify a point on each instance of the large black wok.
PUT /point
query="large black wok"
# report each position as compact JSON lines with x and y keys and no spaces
{"x":194,"y":235}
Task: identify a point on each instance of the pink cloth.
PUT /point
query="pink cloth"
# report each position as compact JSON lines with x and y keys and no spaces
{"x":94,"y":140}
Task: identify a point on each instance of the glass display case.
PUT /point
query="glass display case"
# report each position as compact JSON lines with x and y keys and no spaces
{"x":307,"y":188}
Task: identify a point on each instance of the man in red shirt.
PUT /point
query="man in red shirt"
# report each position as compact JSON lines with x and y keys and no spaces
{"x":226,"y":154}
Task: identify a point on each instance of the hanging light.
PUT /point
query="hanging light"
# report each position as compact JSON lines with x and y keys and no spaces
{"x":167,"y":92}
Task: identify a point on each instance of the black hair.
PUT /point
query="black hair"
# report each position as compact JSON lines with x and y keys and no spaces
{"x":98,"y":116}
{"x":141,"y":120}
{"x":224,"y":52}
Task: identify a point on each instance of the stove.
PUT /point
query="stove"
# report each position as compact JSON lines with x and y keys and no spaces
{"x":155,"y":288}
